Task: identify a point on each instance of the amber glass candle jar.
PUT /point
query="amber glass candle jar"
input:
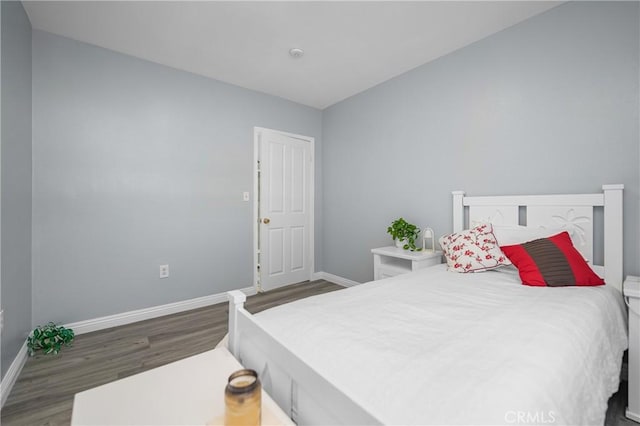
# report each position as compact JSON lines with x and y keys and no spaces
{"x":243,"y":399}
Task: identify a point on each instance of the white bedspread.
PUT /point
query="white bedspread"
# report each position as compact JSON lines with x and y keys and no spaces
{"x":436,"y":347}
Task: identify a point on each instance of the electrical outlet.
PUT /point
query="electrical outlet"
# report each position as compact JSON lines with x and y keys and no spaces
{"x":164,"y":271}
{"x":245,"y":196}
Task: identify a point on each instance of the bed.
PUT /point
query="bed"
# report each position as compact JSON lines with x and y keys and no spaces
{"x":439,"y":347}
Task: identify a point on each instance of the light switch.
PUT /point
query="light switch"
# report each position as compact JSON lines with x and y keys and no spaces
{"x":245,"y":196}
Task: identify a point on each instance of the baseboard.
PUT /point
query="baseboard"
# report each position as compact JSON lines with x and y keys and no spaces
{"x":87,"y":326}
{"x":12,"y":374}
{"x":344,"y":282}
{"x":631,"y":415}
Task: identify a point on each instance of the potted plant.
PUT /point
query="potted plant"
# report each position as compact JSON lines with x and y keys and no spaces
{"x":404,"y":234}
{"x":49,"y":339}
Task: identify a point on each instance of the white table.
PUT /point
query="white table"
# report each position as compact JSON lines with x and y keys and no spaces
{"x":391,"y":261}
{"x":185,"y":392}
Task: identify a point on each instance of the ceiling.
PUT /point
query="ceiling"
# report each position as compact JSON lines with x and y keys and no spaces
{"x":349,"y":46}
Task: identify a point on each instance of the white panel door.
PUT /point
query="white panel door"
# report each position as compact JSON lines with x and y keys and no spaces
{"x":284,"y":209}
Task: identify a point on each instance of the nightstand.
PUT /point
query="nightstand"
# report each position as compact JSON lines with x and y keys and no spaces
{"x":391,"y":261}
{"x":632,"y":293}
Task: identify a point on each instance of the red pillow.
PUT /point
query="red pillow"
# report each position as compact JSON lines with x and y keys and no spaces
{"x":552,"y":262}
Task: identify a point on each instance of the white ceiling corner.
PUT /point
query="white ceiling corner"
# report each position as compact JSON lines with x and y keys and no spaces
{"x":349,"y":46}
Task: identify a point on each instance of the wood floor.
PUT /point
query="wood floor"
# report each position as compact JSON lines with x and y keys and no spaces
{"x":43,"y":394}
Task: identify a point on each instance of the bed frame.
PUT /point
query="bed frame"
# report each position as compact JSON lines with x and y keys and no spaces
{"x":574,"y":213}
{"x":308,"y":398}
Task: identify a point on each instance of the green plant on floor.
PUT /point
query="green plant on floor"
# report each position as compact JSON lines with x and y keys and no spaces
{"x":400,"y":230}
{"x":49,"y":339}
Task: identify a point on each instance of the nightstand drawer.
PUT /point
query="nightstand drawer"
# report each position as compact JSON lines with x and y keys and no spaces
{"x":632,"y":294}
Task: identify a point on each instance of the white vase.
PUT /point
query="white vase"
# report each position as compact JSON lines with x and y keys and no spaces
{"x":400,"y":243}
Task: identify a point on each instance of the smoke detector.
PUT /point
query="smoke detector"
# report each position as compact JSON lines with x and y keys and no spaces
{"x":296,"y":52}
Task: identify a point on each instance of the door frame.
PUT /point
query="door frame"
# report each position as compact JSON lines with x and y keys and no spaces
{"x":257,"y":131}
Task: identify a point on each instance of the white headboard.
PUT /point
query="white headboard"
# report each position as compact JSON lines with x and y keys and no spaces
{"x":573,"y":212}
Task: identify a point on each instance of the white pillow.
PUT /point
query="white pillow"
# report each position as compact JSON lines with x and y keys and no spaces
{"x":472,"y":250}
{"x":508,"y":235}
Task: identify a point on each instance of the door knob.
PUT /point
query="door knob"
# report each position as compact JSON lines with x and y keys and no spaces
{"x":266,"y":220}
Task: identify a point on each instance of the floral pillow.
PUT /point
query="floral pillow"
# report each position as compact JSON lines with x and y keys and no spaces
{"x":473,"y":250}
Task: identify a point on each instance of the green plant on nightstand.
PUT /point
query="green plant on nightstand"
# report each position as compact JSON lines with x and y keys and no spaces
{"x":49,"y":339}
{"x":405,"y":234}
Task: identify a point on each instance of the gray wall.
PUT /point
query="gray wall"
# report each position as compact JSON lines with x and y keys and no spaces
{"x":16,"y":179}
{"x":137,"y":165}
{"x":2,"y":359}
{"x":549,"y":105}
